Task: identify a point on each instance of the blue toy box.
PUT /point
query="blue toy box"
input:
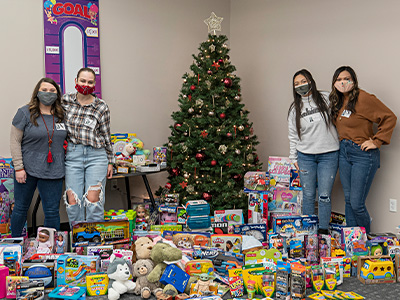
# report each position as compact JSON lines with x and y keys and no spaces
{"x":295,"y":225}
{"x":259,"y":231}
{"x":72,"y":269}
{"x":175,"y":276}
{"x":197,"y":208}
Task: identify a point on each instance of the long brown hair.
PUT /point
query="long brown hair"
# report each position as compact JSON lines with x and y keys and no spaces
{"x":56,"y":108}
{"x":337,"y":98}
{"x":297,"y":104}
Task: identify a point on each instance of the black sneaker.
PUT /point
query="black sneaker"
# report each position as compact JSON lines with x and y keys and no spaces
{"x":323,"y":231}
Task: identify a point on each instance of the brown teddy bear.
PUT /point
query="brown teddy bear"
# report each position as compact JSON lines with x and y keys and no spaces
{"x":144,"y":288}
{"x":142,"y":248}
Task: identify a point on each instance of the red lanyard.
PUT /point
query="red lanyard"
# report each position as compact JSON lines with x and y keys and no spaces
{"x":49,"y":155}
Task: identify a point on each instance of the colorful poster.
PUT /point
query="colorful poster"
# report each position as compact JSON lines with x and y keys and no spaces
{"x":71,"y":40}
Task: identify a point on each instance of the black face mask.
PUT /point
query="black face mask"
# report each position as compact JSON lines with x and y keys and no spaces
{"x":303,"y":89}
{"x":47,"y":98}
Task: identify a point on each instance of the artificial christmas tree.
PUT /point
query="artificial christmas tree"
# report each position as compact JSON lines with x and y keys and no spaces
{"x":212,"y":144}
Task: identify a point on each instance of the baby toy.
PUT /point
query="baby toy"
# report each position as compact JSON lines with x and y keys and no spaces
{"x":31,"y":249}
{"x":45,"y":240}
{"x":118,"y":273}
{"x":144,"y":288}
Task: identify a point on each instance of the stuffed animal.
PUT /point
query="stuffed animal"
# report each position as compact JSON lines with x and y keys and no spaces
{"x":119,"y":271}
{"x":143,"y":286}
{"x":162,"y":255}
{"x":142,"y":248}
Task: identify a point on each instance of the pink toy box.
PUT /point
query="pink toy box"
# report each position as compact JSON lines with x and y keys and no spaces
{"x":3,"y":275}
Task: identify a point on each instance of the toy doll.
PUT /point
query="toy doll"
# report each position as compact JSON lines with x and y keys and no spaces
{"x":142,"y":217}
{"x":60,"y":244}
{"x":202,"y":285}
{"x":44,"y":244}
{"x":323,"y":248}
{"x":31,"y":249}
{"x":311,"y":251}
{"x":376,"y":250}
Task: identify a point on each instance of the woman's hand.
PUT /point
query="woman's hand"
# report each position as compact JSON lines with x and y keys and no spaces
{"x":109,"y":171}
{"x":20,"y":176}
{"x":368,"y":145}
{"x":297,"y":166}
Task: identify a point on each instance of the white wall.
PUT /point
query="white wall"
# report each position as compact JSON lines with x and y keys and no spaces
{"x":271,"y":40}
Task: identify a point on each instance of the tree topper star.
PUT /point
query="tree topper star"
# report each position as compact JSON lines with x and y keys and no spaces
{"x":213,"y":23}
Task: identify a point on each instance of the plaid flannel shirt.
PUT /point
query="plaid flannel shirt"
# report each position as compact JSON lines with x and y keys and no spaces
{"x":88,"y":124}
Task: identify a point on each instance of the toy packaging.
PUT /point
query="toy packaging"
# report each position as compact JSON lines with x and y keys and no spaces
{"x":294,"y":179}
{"x":96,"y":284}
{"x":330,"y":276}
{"x":227,"y":242}
{"x":45,"y":240}
{"x":258,"y":207}
{"x":376,"y":269}
{"x":33,"y":289}
{"x":259,"y":231}
{"x":261,"y":256}
{"x":232,"y":216}
{"x":61,"y":242}
{"x":279,"y":170}
{"x":338,"y":262}
{"x":160,"y":155}
{"x":311,"y":247}
{"x":187,"y":240}
{"x":296,"y":246}
{"x":350,"y":234}
{"x":317,"y":278}
{"x":11,"y":285}
{"x":256,"y":181}
{"x":282,"y":280}
{"x":167,"y":214}
{"x":286,"y":200}
{"x":175,"y":276}
{"x":324,"y":245}
{"x":162,"y":228}
{"x":104,"y":252}
{"x":276,"y":241}
{"x":68,"y":293}
{"x":40,"y":270}
{"x":72,"y":269}
{"x":298,"y":282}
{"x":199,"y":266}
{"x":107,"y":232}
{"x":220,"y":227}
{"x":236,"y":286}
{"x":11,"y":257}
{"x":297,"y":225}
{"x":3,"y":275}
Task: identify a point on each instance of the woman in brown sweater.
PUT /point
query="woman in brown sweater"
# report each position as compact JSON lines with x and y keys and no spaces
{"x":354,"y":111}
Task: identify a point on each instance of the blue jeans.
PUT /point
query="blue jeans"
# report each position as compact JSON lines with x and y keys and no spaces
{"x":50,"y":191}
{"x":357,"y":169}
{"x":85,"y":170}
{"x":318,"y":171}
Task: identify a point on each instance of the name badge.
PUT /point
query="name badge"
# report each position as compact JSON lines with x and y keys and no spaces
{"x":346,"y":113}
{"x":89,"y":122}
{"x":60,"y":126}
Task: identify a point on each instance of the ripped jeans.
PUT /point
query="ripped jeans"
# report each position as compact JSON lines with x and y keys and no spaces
{"x":85,"y":171}
{"x":318,"y":171}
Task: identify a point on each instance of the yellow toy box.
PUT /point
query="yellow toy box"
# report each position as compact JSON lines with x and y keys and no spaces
{"x":97,"y":284}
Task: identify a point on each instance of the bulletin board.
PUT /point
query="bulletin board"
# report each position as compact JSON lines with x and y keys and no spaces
{"x":71,"y":41}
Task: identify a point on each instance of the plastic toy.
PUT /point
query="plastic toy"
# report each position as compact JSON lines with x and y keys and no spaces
{"x":256,"y":181}
{"x":40,"y":270}
{"x":222,"y":261}
{"x":197,"y":208}
{"x":170,"y":199}
{"x":61,"y":242}
{"x":176,"y":277}
{"x":377,"y":269}
{"x":258,"y":207}
{"x":96,"y":284}
{"x":233,"y":216}
{"x":45,"y":239}
{"x":198,"y":222}
{"x":296,"y":247}
{"x":199,"y":266}
{"x":204,"y":285}
{"x":11,"y":285}
{"x":227,"y":242}
{"x":119,"y":272}
{"x":282,"y":280}
{"x":298,"y":281}
{"x":311,"y":243}
{"x":338,"y":262}
{"x":142,"y":217}
{"x":32,"y":290}
{"x":72,"y":269}
{"x":324,"y":245}
{"x":67,"y":292}
{"x":10,"y":260}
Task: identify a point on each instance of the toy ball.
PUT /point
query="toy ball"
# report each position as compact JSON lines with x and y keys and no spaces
{"x":40,"y":272}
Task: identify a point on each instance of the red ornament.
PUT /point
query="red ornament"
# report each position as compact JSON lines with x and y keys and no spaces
{"x":213,"y":162}
{"x":192,"y":87}
{"x":216,"y":65}
{"x":228,"y":82}
{"x":229,"y":164}
{"x":168,"y":185}
{"x":206,"y":196}
{"x":222,"y":115}
{"x":237,"y":177}
{"x":229,"y":134}
{"x":183,"y":184}
{"x":175,"y":172}
{"x":220,"y":60}
{"x":246,"y":137}
{"x":204,"y":133}
{"x":200,"y":156}
{"x":177,"y":126}
{"x":209,"y":72}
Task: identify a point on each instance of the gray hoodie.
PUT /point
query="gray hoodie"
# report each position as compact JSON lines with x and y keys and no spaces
{"x":316,"y":137}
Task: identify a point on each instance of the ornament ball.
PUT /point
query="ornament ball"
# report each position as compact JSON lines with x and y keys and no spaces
{"x":237,"y":151}
{"x":220,"y":60}
{"x":190,"y":110}
{"x":241,"y":127}
{"x":229,"y":134}
{"x":228,"y":82}
{"x":246,"y":138}
{"x":237,"y":98}
{"x":213,"y":162}
{"x":210,"y":113}
{"x":209,"y":72}
{"x":206,"y":196}
{"x":192,"y":87}
{"x":170,"y":145}
{"x":168,"y":185}
{"x":177,"y":126}
{"x":222,"y":115}
{"x":200,"y":156}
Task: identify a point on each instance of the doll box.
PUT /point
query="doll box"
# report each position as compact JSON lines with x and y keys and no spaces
{"x":34,"y":289}
{"x":259,"y":231}
{"x":11,"y":285}
{"x":227,"y":242}
{"x":72,"y":269}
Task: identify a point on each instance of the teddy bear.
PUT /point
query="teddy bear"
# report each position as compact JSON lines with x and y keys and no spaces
{"x":141,"y":269}
{"x":142,"y":248}
{"x":119,"y":271}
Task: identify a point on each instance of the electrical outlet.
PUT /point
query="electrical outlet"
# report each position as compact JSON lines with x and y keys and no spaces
{"x":393,"y":205}
{"x":114,"y":184}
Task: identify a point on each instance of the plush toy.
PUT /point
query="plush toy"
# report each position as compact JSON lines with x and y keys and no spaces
{"x":203,"y":283}
{"x":119,"y":271}
{"x":162,"y":255}
{"x":142,"y":248}
{"x":143,"y":286}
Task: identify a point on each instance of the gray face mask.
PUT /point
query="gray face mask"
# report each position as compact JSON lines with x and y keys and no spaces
{"x":47,"y":98}
{"x":303,"y":89}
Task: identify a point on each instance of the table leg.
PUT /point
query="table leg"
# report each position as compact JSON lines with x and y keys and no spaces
{"x":128,"y":193}
{"x":146,"y":183}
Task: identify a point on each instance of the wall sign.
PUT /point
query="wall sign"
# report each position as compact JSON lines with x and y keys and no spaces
{"x":71,"y":40}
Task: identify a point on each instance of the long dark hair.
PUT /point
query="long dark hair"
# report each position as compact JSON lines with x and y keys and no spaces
{"x":336,"y":98}
{"x":297,"y":104}
{"x":56,"y":108}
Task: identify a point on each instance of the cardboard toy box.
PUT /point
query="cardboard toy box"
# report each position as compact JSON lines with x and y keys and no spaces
{"x":299,"y":225}
{"x":375,"y":269}
{"x":72,"y":269}
{"x":397,"y":266}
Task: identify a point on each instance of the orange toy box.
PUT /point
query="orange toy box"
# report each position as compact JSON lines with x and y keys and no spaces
{"x":199,"y":266}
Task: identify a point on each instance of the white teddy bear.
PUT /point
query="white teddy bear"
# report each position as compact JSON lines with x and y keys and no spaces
{"x":119,"y":271}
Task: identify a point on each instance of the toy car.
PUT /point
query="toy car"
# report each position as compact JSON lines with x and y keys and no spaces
{"x":375,"y":269}
{"x":89,"y":234}
{"x":32,"y":296}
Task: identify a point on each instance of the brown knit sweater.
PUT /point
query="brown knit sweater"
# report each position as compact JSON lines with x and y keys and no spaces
{"x":358,"y":127}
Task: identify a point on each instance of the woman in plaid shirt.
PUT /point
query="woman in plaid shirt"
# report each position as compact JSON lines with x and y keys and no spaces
{"x":89,"y":160}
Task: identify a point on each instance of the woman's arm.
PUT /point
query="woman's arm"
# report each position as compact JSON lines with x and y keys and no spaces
{"x":293,"y":137}
{"x":16,"y":153}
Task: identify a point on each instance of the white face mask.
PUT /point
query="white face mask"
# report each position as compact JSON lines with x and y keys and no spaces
{"x":344,"y":86}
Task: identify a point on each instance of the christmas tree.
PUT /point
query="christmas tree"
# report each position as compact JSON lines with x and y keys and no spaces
{"x":212,"y":144}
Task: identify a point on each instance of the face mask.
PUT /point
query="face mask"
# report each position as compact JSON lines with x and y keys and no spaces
{"x":303,"y":89}
{"x":344,"y":87}
{"x":47,"y":98}
{"x":85,"y":89}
